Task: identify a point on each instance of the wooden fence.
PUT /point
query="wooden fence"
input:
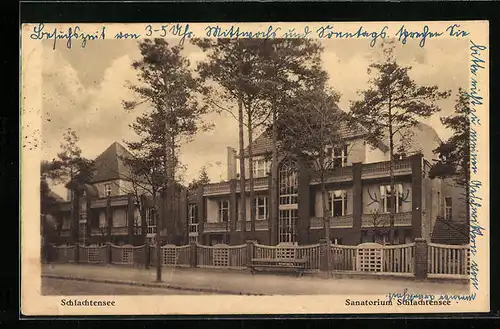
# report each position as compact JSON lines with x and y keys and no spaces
{"x":447,"y":261}
{"x":442,"y":261}
{"x":222,"y":256}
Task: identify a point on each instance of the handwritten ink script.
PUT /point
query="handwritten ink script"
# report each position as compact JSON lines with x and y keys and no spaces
{"x":406,"y":298}
{"x":72,"y":33}
{"x":475,"y":201}
{"x":184,"y":32}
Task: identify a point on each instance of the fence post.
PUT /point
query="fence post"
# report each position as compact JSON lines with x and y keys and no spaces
{"x":323,"y":254}
{"x":421,"y":261}
{"x":192,"y":257}
{"x":146,"y":255}
{"x":250,"y":245}
{"x":77,"y":253}
{"x":108,"y":253}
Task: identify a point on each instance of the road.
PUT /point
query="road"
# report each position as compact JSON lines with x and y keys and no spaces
{"x":62,"y":287}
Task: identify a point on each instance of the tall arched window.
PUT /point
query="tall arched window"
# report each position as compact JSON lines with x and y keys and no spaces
{"x":288,"y":201}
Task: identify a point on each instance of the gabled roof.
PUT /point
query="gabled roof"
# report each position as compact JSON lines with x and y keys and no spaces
{"x":56,"y":196}
{"x":109,"y":164}
{"x":450,"y":232}
{"x":347,"y":130}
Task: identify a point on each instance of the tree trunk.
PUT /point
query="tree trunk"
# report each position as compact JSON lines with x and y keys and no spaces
{"x":144,"y":226}
{"x":158,"y":243}
{"x":324,"y":196}
{"x":391,"y":174}
{"x":274,"y":178}
{"x":250,"y":173}
{"x":242,"y":206}
{"x":467,"y":175}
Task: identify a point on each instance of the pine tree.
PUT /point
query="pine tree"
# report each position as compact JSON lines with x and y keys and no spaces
{"x":258,"y":76}
{"x":235,"y":66}
{"x":309,"y":130}
{"x":289,"y":66}
{"x":392,"y":104}
{"x":202,"y":179}
{"x":454,"y":153}
{"x":73,"y":169}
{"x":168,"y":87}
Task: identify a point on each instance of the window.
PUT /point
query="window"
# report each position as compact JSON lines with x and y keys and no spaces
{"x":137,"y":226}
{"x":107,"y":189}
{"x":224,"y":211}
{"x":66,"y":224}
{"x":339,"y":156}
{"x":287,"y":225}
{"x":193,"y":218}
{"x":120,"y":217}
{"x":447,"y":208}
{"x":260,"y":167}
{"x":337,"y":203}
{"x":388,"y":198}
{"x":260,"y":204}
{"x":288,"y":184}
{"x":150,"y":221}
{"x":337,"y":241}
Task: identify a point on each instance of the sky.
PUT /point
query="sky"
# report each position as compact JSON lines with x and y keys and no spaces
{"x":83,"y":89}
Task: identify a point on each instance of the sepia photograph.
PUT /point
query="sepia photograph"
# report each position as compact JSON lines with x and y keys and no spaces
{"x":257,"y":167}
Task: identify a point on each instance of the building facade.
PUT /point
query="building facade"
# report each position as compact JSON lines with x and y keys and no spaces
{"x":112,"y":206}
{"x":358,"y":203}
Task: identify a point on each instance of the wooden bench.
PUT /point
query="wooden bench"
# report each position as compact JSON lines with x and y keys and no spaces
{"x":278,"y":265}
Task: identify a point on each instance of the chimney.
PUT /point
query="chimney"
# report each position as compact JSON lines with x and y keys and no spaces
{"x":231,"y":163}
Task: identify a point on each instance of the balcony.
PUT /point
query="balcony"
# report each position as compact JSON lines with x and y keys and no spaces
{"x":260,"y":225}
{"x":335,"y":175}
{"x":119,"y":230}
{"x":66,"y":206}
{"x":335,"y":222}
{"x":119,"y":200}
{"x":260,"y":184}
{"x":381,"y":169}
{"x":99,"y":203}
{"x":64,"y":233}
{"x":400,"y":219}
{"x":99,"y":231}
{"x":216,"y":188}
{"x":216,"y":227}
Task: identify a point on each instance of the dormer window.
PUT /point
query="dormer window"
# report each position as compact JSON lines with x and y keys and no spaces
{"x":107,"y":189}
{"x":260,"y":168}
{"x":338,"y":156}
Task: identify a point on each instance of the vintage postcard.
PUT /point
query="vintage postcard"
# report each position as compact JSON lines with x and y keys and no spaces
{"x":263,"y":168}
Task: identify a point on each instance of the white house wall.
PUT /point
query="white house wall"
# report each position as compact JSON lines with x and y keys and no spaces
{"x":457,"y":194}
{"x":432,"y":206}
{"x":355,"y":151}
{"x":102,"y":218}
{"x":375,"y":154}
{"x":120,"y":217}
{"x":212,"y":208}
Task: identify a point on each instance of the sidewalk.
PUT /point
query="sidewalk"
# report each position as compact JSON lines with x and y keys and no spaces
{"x":242,"y":282}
